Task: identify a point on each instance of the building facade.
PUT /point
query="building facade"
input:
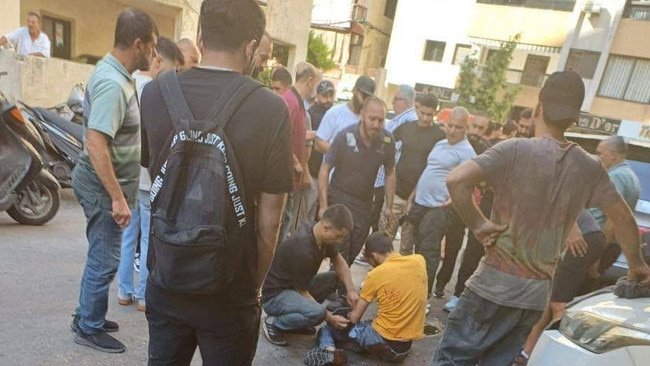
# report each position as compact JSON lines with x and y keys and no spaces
{"x":82,"y":32}
{"x":603,"y":40}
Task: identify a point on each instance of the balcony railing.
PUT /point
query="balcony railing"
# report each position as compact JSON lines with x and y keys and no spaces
{"x":518,"y":77}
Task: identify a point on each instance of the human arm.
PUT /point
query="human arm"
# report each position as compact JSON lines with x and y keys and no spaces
{"x":323,"y":186}
{"x":269,"y":212}
{"x":310,"y":135}
{"x":358,"y":310}
{"x":390,"y":185}
{"x":3,"y":41}
{"x":343,"y":273}
{"x":322,"y":146}
{"x":461,"y":182}
{"x":100,"y":158}
{"x":627,"y":236}
{"x":576,"y":243}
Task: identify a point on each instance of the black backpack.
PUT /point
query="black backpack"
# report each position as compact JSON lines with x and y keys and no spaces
{"x":199,"y":223}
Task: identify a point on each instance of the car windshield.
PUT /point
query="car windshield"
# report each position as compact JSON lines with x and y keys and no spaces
{"x":642,"y":171}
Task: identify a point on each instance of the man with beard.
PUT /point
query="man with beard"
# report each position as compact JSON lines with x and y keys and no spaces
{"x":223,"y":324}
{"x":105,"y":179}
{"x":343,"y":115}
{"x":525,"y":123}
{"x":356,"y":154}
{"x":262,"y":55}
{"x":29,"y":41}
{"x":476,"y":133}
{"x":416,"y":142}
{"x":325,"y":96}
{"x":541,"y":185}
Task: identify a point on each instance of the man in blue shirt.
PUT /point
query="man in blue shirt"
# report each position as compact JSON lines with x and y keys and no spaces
{"x":431,"y":198}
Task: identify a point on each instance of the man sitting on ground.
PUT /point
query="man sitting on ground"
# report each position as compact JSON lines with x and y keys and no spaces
{"x":399,"y":284}
{"x":292,"y":292}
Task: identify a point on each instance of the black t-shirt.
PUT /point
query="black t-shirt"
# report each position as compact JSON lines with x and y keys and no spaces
{"x":258,"y":132}
{"x":296,"y":262}
{"x":417,"y":142}
{"x":356,"y":165}
{"x":317,"y":111}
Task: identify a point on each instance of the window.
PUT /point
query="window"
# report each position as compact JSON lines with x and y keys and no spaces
{"x":534,"y":70}
{"x":637,"y":9}
{"x":626,"y":78}
{"x":389,"y":10}
{"x":59,"y":33}
{"x":583,"y":62}
{"x":563,"y":5}
{"x":462,"y":51}
{"x":433,"y":51}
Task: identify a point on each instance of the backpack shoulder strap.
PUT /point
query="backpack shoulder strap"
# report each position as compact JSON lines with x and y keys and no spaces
{"x":238,"y":91}
{"x":177,"y":107}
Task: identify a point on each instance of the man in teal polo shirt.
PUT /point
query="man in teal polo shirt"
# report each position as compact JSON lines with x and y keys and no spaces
{"x":105,"y":180}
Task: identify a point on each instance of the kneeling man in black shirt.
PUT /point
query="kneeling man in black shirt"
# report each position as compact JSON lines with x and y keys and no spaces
{"x":293,"y":292}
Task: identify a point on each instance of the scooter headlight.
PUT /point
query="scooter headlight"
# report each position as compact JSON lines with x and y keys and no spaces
{"x":600,"y":335}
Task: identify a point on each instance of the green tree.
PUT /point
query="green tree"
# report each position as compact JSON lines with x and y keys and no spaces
{"x":318,"y":53}
{"x":492,"y":93}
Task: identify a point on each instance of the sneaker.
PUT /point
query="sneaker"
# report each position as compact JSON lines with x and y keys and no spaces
{"x":109,"y":326}
{"x":272,"y":333}
{"x":451,"y":304}
{"x":142,"y":305}
{"x":439,"y":293}
{"x":136,"y":262}
{"x":428,"y":309}
{"x":321,"y":357}
{"x":124,"y":299}
{"x":361,"y":261}
{"x":100,"y":341}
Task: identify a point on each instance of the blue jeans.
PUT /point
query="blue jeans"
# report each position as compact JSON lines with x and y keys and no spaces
{"x":365,"y":336}
{"x":294,"y":311}
{"x":104,"y":242}
{"x":140,"y":221}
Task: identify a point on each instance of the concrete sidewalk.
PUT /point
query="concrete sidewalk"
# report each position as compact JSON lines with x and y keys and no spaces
{"x":40,"y":271}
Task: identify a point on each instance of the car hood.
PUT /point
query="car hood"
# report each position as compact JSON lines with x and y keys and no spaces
{"x":631,"y":312}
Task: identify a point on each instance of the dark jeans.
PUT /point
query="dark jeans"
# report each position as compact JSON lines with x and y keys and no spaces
{"x":226,"y":337}
{"x":351,"y":245}
{"x":482,"y":332}
{"x":473,"y":253}
{"x":571,"y":271}
{"x":377,"y":205}
{"x":438,"y":223}
{"x":294,"y":311}
{"x":103,"y":257}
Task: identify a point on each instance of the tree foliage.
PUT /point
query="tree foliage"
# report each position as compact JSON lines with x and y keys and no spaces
{"x":492,"y":93}
{"x":318,"y":53}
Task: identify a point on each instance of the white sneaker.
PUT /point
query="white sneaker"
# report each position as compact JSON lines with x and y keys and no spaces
{"x":361,"y":261}
{"x":451,"y":304}
{"x":428,"y":308}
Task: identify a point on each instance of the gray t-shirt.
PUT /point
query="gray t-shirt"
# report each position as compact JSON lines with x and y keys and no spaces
{"x":541,"y":186}
{"x":431,"y":190}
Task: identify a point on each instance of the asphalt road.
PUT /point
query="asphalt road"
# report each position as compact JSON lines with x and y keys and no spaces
{"x":40,"y":270}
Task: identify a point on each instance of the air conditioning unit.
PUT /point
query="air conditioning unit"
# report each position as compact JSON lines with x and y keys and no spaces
{"x":640,"y":2}
{"x":591,"y":7}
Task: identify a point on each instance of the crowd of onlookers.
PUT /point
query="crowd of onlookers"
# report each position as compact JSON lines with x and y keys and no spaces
{"x":327,"y":181}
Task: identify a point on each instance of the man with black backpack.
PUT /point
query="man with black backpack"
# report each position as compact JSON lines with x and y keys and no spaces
{"x":217,"y":147}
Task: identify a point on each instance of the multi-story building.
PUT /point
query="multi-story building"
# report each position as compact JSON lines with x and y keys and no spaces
{"x":603,"y":40}
{"x":83,"y":31}
{"x":358,"y":31}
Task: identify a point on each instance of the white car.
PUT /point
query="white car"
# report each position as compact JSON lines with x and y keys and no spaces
{"x":599,"y":329}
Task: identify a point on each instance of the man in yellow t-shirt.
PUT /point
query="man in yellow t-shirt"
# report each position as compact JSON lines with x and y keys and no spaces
{"x":399,"y":284}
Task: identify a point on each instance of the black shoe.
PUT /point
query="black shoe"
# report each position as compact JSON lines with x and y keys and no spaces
{"x":109,"y":326}
{"x":321,"y":357}
{"x":272,"y":333}
{"x":100,"y":341}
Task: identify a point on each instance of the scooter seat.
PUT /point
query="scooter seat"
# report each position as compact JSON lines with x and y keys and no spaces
{"x":67,"y":126}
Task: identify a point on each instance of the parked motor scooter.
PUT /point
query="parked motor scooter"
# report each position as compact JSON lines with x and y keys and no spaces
{"x":72,"y":110}
{"x":62,"y":140}
{"x":28,"y":192}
